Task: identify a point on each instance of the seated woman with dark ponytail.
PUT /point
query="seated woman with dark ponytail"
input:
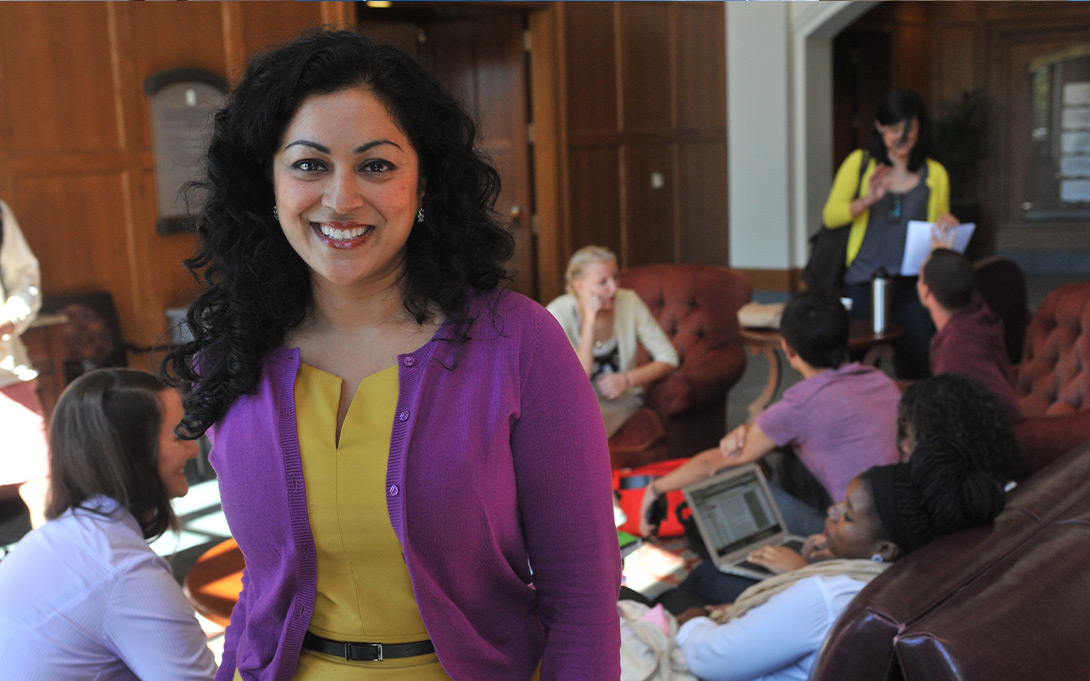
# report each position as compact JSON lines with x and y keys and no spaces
{"x":775,"y":628}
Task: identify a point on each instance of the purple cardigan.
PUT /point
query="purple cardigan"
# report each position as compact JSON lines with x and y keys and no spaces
{"x":498,"y":463}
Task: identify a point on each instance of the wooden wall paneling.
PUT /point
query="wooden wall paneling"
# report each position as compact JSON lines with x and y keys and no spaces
{"x":337,"y":14}
{"x":547,"y":63}
{"x":701,"y":234}
{"x":646,"y":73}
{"x":651,"y":210}
{"x":76,"y":234}
{"x":911,"y":49}
{"x":157,"y":45}
{"x":49,"y":113}
{"x":482,"y":61}
{"x":591,"y":66}
{"x":595,"y":193}
{"x":261,"y":24}
{"x":701,"y":66}
{"x":702,"y":197}
{"x":954,"y":66}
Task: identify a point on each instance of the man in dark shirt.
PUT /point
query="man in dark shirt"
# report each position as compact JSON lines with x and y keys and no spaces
{"x":970,"y":336}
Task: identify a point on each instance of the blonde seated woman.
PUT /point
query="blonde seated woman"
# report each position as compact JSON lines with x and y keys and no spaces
{"x":604,"y":324}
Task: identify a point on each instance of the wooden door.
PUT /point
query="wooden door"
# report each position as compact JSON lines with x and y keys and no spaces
{"x":482,"y":60}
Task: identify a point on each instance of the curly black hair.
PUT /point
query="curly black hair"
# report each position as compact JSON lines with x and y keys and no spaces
{"x":955,"y":407}
{"x":257,"y":287}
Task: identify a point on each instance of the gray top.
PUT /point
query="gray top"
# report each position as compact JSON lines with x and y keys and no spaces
{"x":884,"y":241}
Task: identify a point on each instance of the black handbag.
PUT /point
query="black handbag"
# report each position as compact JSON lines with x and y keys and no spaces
{"x":824,"y":270}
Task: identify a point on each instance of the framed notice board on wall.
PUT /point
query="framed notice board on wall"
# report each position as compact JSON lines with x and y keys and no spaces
{"x":181,"y":103}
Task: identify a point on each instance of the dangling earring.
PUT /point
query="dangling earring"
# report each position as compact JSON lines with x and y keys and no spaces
{"x":420,"y":215}
{"x":276,"y":214}
{"x":877,"y":558}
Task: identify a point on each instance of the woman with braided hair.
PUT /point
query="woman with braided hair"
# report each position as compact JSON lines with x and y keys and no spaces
{"x":775,"y":629}
{"x":962,"y":409}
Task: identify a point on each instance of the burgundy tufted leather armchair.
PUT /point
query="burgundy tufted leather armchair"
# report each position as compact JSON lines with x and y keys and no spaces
{"x":1053,"y":381}
{"x":685,"y":411}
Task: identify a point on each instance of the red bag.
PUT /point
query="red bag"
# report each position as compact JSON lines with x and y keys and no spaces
{"x":630,"y":483}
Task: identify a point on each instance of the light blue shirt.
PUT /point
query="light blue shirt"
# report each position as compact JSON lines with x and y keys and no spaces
{"x":84,"y":598}
{"x":776,"y":641}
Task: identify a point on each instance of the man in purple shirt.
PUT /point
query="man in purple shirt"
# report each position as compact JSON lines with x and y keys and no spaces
{"x":840,"y":419}
{"x":969,"y":340}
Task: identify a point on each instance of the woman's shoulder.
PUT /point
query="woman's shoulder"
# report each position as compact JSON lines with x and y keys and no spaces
{"x":564,"y":303}
{"x":856,"y":158}
{"x":822,"y":590}
{"x":628,"y":298}
{"x":936,"y":170}
{"x":508,"y":311}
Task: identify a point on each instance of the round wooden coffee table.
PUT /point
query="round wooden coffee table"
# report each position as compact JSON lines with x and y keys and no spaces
{"x":215,"y":581}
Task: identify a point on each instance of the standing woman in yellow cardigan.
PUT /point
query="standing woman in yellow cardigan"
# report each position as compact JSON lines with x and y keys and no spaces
{"x":899,"y":184}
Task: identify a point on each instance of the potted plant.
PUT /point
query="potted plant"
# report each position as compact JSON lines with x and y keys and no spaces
{"x":959,"y":141}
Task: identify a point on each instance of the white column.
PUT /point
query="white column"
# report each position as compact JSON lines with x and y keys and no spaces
{"x":779,"y":125}
{"x":758,"y":133}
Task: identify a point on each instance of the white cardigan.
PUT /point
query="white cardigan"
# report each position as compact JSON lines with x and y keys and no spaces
{"x":20,"y":299}
{"x":633,"y":323}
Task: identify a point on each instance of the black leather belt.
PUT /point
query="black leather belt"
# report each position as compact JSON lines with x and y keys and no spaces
{"x":366,"y":652}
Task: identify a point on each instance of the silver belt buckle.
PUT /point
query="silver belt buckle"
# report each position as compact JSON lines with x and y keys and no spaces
{"x":374,"y":648}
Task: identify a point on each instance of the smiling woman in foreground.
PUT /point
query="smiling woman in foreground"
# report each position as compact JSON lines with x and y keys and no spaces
{"x":406,"y":489}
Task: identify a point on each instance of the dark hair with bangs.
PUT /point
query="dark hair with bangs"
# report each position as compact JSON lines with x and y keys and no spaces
{"x":896,"y":107}
{"x":258,"y":288}
{"x":104,"y":441}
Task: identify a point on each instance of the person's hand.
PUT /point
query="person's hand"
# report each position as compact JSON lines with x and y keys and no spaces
{"x":649,"y":497}
{"x":942,"y":234}
{"x":589,"y":303}
{"x":814,"y":549}
{"x":878,"y":185}
{"x":778,"y":559}
{"x":732,"y":443}
{"x":612,"y":385}
{"x":690,"y":614}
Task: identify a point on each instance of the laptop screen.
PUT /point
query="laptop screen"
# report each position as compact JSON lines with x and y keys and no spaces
{"x":736,"y":512}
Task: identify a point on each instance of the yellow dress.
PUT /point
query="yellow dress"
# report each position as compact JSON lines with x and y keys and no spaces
{"x":364,"y":592}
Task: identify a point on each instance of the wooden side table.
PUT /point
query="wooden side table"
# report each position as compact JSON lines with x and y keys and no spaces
{"x":214,"y":582}
{"x":44,"y":342}
{"x":861,"y":338}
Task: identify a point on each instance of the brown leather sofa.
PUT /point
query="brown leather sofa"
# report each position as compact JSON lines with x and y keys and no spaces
{"x":1053,"y":379}
{"x":685,"y":412}
{"x":1005,"y":602}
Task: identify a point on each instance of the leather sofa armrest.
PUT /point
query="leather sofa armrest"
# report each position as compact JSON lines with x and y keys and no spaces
{"x":1043,"y":439}
{"x":702,"y":379}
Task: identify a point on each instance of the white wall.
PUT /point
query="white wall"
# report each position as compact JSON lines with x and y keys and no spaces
{"x":758,"y":133}
{"x":779,"y":125}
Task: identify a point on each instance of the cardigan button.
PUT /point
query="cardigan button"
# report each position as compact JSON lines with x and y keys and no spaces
{"x":403,"y":416}
{"x":394,"y":490}
{"x":409,"y":361}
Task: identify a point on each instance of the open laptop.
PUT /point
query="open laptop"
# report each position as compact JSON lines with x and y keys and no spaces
{"x":735,"y":513}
